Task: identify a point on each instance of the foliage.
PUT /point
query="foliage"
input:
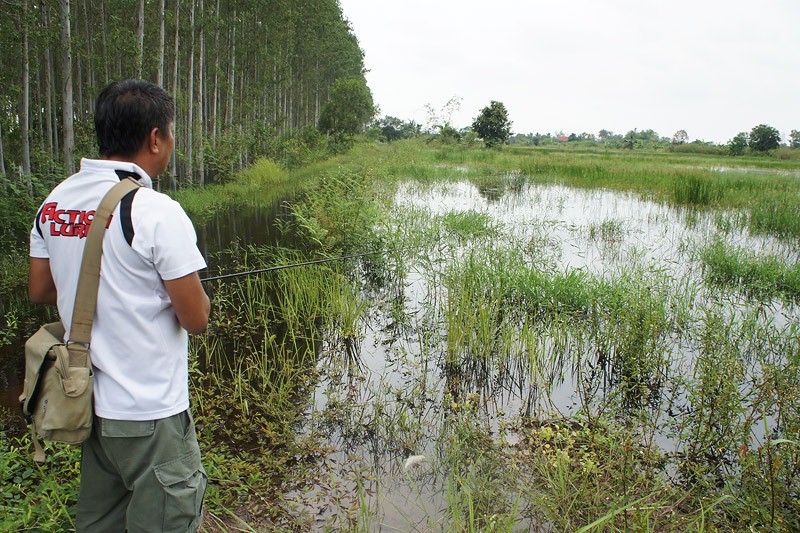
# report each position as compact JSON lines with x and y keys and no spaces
{"x":680,"y":137}
{"x":794,"y":139}
{"x":492,"y":124}
{"x":640,"y":139}
{"x":349,"y":109}
{"x":439,"y":118}
{"x":18,"y":206}
{"x":698,"y":148}
{"x":245,"y":84}
{"x":762,"y":277}
{"x":764,"y":138}
{"x":300,"y":433}
{"x":34,"y":496}
{"x":449,"y":135}
{"x":338,"y":213}
{"x":739,"y":143}
{"x":393,"y":129}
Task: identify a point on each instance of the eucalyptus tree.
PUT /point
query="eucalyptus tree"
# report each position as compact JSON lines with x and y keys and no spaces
{"x":236,"y":68}
{"x":67,"y":112}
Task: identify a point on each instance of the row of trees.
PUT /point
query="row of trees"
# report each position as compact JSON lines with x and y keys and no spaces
{"x":243,"y":72}
{"x":493,"y":127}
{"x":761,"y":138}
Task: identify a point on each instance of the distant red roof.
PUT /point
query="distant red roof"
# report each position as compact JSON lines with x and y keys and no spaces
{"x":563,"y":138}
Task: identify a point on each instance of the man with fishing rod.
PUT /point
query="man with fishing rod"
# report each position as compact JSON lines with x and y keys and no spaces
{"x":140,"y":469}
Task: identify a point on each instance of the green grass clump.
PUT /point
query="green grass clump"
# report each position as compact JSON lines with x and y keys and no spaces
{"x":609,"y":231}
{"x":698,"y":190}
{"x":763,"y":277}
{"x":779,"y":217}
{"x":468,"y":224}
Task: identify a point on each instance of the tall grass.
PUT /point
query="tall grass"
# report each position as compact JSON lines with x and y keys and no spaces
{"x":761,"y":276}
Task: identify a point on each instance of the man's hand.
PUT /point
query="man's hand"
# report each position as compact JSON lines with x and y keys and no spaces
{"x":190,"y":302}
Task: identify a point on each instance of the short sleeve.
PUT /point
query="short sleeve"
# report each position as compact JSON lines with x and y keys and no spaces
{"x":164,"y":235}
{"x":38,"y":248}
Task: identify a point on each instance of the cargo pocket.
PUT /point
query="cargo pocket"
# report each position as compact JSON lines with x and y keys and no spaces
{"x":184,"y":484}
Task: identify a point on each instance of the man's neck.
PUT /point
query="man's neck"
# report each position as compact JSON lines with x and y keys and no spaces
{"x":136,"y":160}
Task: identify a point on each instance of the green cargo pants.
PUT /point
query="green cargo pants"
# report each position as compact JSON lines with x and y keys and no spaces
{"x":141,"y":476}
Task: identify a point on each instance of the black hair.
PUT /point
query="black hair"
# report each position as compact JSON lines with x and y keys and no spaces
{"x":126,"y":112}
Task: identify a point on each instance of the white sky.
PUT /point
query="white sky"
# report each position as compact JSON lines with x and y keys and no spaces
{"x":711,"y":67}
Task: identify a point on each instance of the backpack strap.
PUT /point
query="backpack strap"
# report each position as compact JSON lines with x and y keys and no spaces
{"x":80,"y":331}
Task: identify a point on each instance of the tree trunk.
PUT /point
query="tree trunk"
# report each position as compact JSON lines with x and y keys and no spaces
{"x":91,"y":85}
{"x":38,"y":105}
{"x":201,"y":175}
{"x":66,"y":77}
{"x":215,"y":105}
{"x":24,"y":104}
{"x":190,"y":101}
{"x":104,"y":43}
{"x":2,"y":155}
{"x":48,"y":83}
{"x":140,"y":40}
{"x":231,"y":72}
{"x":78,"y":82}
{"x":161,"y":40}
{"x":174,"y":161}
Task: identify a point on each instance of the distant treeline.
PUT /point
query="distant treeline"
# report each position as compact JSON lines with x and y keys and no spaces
{"x":761,"y":139}
{"x":245,"y":74}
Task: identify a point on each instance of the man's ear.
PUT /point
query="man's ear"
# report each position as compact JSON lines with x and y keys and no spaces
{"x":154,"y":144}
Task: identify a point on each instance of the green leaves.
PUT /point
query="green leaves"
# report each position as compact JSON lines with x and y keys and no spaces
{"x":349,"y":109}
{"x":492,"y":125}
{"x":764,"y":138}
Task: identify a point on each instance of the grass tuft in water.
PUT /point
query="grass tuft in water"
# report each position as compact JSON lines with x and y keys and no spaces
{"x":759,"y":276}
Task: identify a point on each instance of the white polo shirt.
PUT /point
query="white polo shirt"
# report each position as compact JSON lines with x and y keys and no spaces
{"x":139,"y":350}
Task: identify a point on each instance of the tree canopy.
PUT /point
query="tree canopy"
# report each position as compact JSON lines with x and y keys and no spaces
{"x":349,"y":108}
{"x":794,"y":139}
{"x":492,"y":125}
{"x":680,"y":137}
{"x":738,"y":144}
{"x":764,"y":138}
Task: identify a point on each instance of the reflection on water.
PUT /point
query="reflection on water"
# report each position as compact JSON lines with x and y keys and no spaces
{"x":257,"y":227}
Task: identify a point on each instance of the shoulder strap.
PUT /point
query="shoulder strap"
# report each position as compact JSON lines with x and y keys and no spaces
{"x":86,"y":295}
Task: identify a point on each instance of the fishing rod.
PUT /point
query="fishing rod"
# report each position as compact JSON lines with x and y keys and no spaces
{"x":306,"y":263}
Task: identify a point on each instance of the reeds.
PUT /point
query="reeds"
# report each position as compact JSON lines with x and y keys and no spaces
{"x":765,"y":276}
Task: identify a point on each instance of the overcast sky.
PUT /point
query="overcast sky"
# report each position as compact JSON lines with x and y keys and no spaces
{"x":710,"y":67}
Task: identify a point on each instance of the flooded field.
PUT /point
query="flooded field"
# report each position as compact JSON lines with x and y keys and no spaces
{"x":445,"y":348}
{"x":502,"y":341}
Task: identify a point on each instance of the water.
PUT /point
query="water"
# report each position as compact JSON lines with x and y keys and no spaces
{"x":603,"y":233}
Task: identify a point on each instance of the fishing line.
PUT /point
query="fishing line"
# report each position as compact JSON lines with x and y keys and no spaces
{"x":306,"y":263}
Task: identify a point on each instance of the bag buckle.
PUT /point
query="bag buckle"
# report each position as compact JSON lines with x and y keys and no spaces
{"x":85,"y":345}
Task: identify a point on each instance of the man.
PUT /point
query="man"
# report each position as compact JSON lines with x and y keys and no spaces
{"x":140,"y":469}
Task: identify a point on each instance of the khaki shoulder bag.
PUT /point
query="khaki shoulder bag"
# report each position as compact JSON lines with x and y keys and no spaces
{"x":57,"y":395}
